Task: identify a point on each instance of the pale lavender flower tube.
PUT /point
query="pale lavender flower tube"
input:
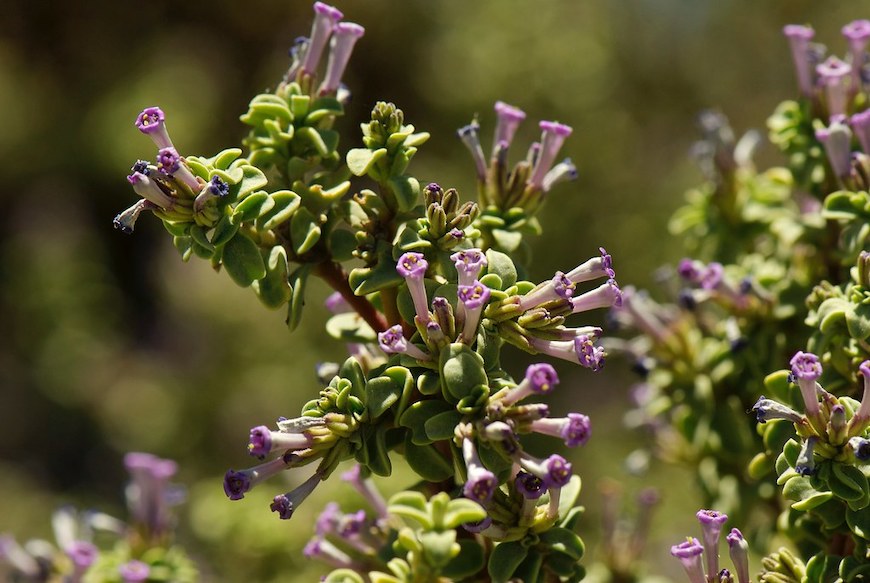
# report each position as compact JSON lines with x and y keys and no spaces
{"x":470,"y":136}
{"x":540,"y":379}
{"x":857,"y":34}
{"x":344,"y":37}
{"x":286,"y":504}
{"x":833,"y":76}
{"x":799,"y":38}
{"x":325,"y":19}
{"x":152,"y":122}
{"x":554,"y":135}
{"x":837,"y":140}
{"x":413,"y":266}
{"x":509,"y":119}
{"x":689,"y":553}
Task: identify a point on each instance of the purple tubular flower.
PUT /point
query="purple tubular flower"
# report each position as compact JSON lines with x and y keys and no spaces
{"x":148,"y":493}
{"x":606,"y":295}
{"x":560,"y":287}
{"x":413,"y":266}
{"x":151,"y":123}
{"x":82,"y":554}
{"x":530,"y":486}
{"x":766,"y":410}
{"x":336,"y":304}
{"x":575,"y":429}
{"x":170,"y":162}
{"x":392,"y":341}
{"x":478,"y":526}
{"x":323,"y":550}
{"x":833,"y":75}
{"x":806,"y":368}
{"x":739,"y":550}
{"x":367,"y":489}
{"x":564,"y":171}
{"x":480,"y":484}
{"x":263,"y":441}
{"x":837,"y":141}
{"x":690,"y":270}
{"x":689,"y":553}
{"x":134,"y":572}
{"x":509,"y":119}
{"x":554,"y":135}
{"x":469,"y":264}
{"x":860,"y":123}
{"x":594,"y":268}
{"x":126,"y":221}
{"x":711,"y":528}
{"x":805,"y":464}
{"x":471,"y":138}
{"x":799,"y":40}
{"x":857,"y":34}
{"x":286,"y":504}
{"x":237,"y":483}
{"x":711,"y":276}
{"x":325,"y":19}
{"x":540,"y":379}
{"x":327,"y":521}
{"x":589,"y":355}
{"x":861,"y":418}
{"x":473,"y":299}
{"x":344,"y":37}
{"x":558,"y":471}
{"x":861,"y":448}
{"x":351,"y":525}
{"x":150,"y":190}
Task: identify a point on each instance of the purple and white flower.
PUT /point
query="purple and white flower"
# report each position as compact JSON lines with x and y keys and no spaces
{"x":469,"y":263}
{"x":392,"y":341}
{"x":263,"y":441}
{"x":575,"y":429}
{"x":171,"y":163}
{"x":861,"y":419}
{"x":134,"y":572}
{"x":860,"y":123}
{"x":834,"y":77}
{"x":150,"y":190}
{"x":344,"y":37}
{"x":837,"y":141}
{"x":689,"y":553}
{"x":711,"y":529}
{"x":470,"y":136}
{"x":540,"y":379}
{"x":325,"y":19}
{"x":738,"y":548}
{"x":412,"y":266}
{"x":799,"y":38}
{"x":151,"y":122}
{"x":767,"y":410}
{"x":286,"y":504}
{"x":509,"y":119}
{"x":238,"y":483}
{"x":481,"y":483}
{"x":473,"y":299}
{"x":554,"y":135}
{"x":806,"y":368}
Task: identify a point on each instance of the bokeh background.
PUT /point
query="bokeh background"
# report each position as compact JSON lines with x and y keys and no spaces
{"x":110,"y":343}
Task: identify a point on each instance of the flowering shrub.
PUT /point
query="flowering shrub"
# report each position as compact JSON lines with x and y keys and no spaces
{"x":429,"y":291}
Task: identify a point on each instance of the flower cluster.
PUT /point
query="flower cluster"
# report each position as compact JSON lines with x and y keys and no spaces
{"x":142,"y":549}
{"x":700,"y":556}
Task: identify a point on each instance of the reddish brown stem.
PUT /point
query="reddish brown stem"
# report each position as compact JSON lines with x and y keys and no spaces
{"x":332,"y":273}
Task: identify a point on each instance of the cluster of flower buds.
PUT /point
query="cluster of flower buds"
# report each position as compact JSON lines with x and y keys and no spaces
{"x":832,"y":428}
{"x":524,"y":187}
{"x":76,"y":558}
{"x":167,"y":186}
{"x":709,"y":282}
{"x":700,"y":556}
{"x":534,"y":320}
{"x":327,"y":30}
{"x":321,"y":433}
{"x":833,"y":86}
{"x":447,"y":223}
{"x":437,"y":323}
{"x":531,"y":478}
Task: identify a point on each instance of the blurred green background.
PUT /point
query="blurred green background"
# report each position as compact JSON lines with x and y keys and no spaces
{"x":109,"y":343}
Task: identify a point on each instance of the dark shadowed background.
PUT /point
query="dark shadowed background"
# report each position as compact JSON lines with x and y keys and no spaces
{"x":109,"y":343}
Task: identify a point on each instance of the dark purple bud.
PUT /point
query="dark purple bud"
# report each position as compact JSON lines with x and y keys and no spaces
{"x":282,"y":505}
{"x":218,"y":187}
{"x":478,"y":526}
{"x":236,"y":484}
{"x":141,"y":166}
{"x":529,"y":485}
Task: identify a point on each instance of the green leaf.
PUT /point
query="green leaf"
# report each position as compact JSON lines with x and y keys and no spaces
{"x":344,"y":576}
{"x":507,"y":240}
{"x":197,"y":233}
{"x":297,"y":281}
{"x":469,"y":561}
{"x":504,"y":560}
{"x":224,"y":230}
{"x":273,"y":290}
{"x":561,"y":564}
{"x":429,"y":383}
{"x":177,"y":229}
{"x":350,"y":327}
{"x":299,"y":105}
{"x":427,"y":461}
{"x":381,"y":393}
{"x":411,"y":505}
{"x":859,"y":522}
{"x":848,"y":482}
{"x":462,"y":511}
{"x":223,"y":159}
{"x":242,"y":260}
{"x":361,"y":160}
{"x":858,"y":321}
{"x":503,"y":266}
{"x":366,"y":280}
{"x":352,"y":371}
{"x":415,"y":417}
{"x":439,"y":547}
{"x":530,"y":569}
{"x":252,"y":179}
{"x":342,"y":244}
{"x":256,"y":205}
{"x":377,"y":458}
{"x":564,"y":541}
{"x":570,"y":493}
{"x":461,"y":370}
{"x":285,"y":204}
{"x":407,"y":192}
{"x":442,"y":425}
{"x":304,"y":230}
